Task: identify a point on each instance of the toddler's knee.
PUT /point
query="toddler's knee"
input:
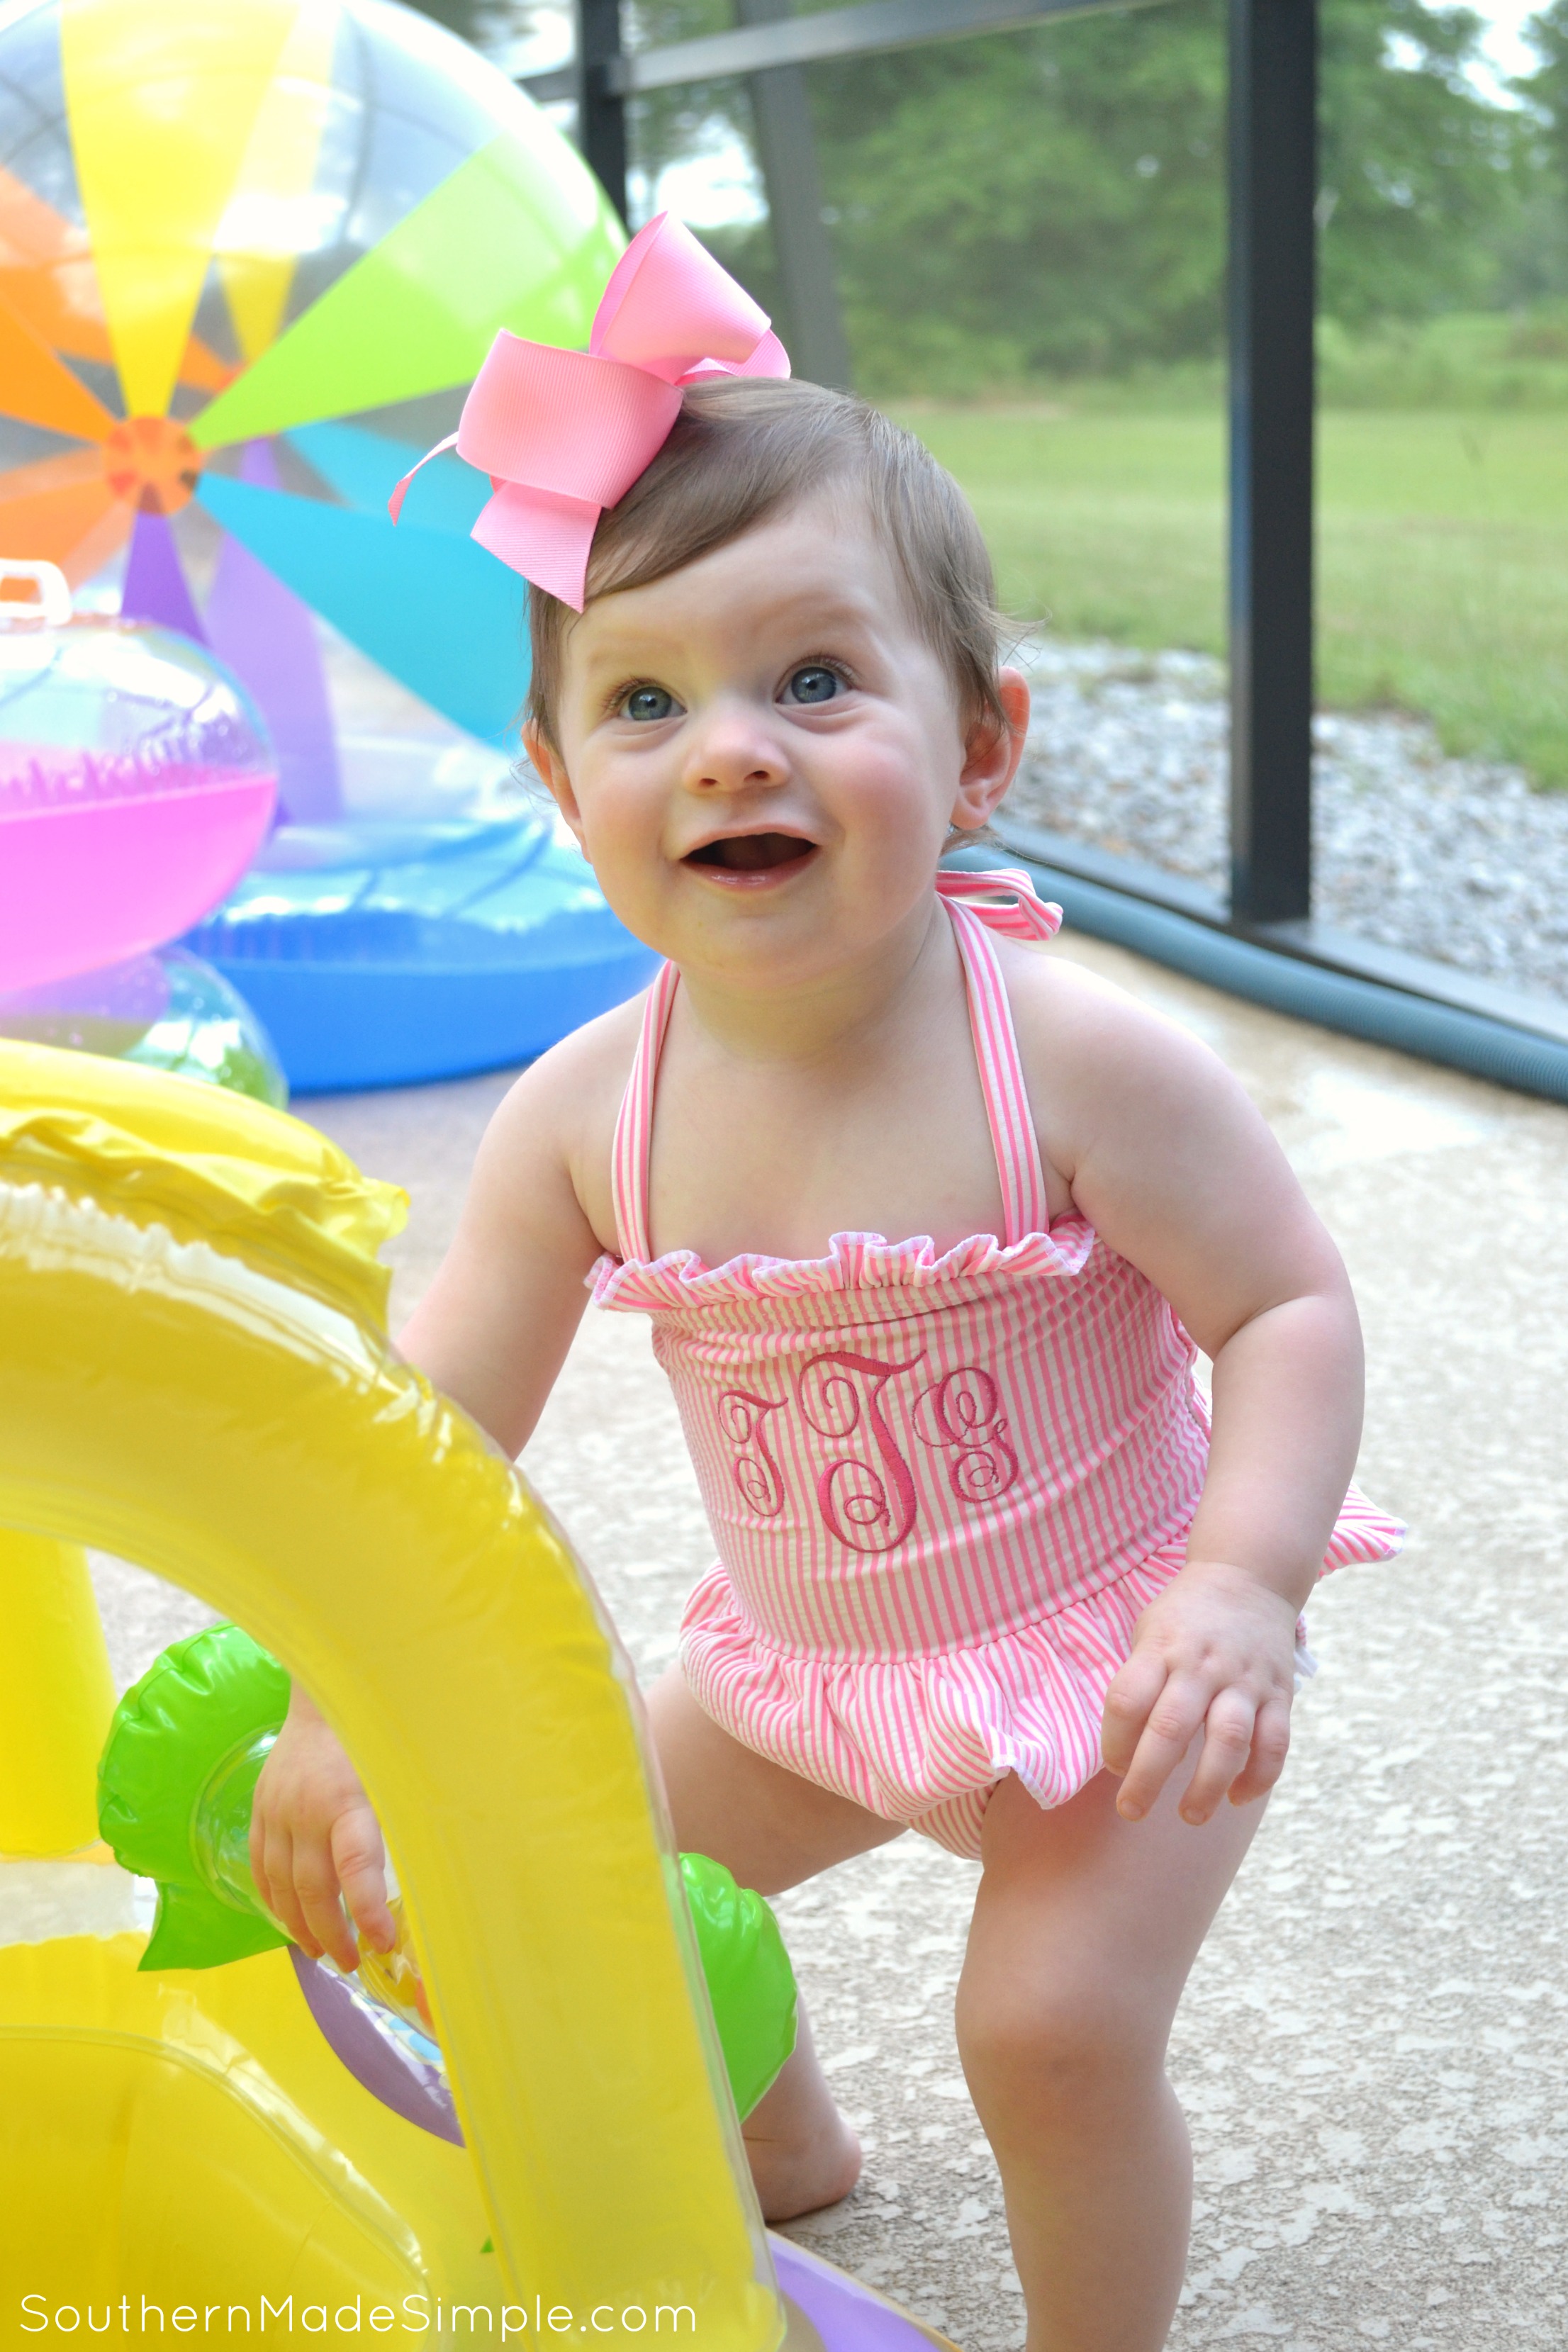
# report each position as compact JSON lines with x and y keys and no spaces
{"x":1044,"y":2041}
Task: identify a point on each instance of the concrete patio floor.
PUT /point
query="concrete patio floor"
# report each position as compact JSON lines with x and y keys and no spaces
{"x":1372,"y":2050}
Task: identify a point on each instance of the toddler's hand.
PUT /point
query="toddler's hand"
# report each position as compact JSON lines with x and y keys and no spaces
{"x":315,"y":1842}
{"x":1215,"y":1652}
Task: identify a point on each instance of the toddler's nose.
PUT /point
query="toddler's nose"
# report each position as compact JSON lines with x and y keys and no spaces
{"x":732,"y":751}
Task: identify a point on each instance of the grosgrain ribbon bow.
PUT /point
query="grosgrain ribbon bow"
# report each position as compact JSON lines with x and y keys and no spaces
{"x":564,"y":435}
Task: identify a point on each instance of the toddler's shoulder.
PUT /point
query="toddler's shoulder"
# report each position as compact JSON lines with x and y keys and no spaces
{"x":591,"y":1065}
{"x":562,"y":1110}
{"x":587,"y":1067}
{"x":1088,"y":1045}
{"x":1062,"y":1006}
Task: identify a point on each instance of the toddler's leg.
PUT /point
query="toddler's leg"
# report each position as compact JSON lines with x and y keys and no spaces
{"x":1085,"y":1927}
{"x":772,"y":1830}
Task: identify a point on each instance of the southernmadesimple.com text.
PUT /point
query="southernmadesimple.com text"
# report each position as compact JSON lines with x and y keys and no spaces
{"x":414,"y":2315}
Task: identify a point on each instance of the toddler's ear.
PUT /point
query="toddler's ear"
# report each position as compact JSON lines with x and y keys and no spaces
{"x":992,"y":753}
{"x":550,"y":770}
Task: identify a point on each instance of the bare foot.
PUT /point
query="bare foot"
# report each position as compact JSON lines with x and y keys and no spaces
{"x":795,"y":2176}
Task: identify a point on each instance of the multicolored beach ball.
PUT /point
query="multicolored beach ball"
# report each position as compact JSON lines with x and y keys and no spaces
{"x":251,"y":254}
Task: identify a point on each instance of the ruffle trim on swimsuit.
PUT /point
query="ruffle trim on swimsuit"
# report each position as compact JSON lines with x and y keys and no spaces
{"x":922,"y":1740}
{"x":854,"y":1262}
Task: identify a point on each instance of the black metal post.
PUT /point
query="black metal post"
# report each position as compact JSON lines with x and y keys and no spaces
{"x":1273,"y":190}
{"x":786,"y":149}
{"x":601,"y":107}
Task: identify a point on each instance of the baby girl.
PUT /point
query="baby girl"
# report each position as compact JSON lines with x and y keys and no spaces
{"x":929,"y":1225}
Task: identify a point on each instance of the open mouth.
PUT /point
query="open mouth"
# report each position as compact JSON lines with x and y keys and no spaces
{"x":753,"y":853}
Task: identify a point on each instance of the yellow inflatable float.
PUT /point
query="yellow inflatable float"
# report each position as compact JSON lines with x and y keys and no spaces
{"x":195,"y":1373}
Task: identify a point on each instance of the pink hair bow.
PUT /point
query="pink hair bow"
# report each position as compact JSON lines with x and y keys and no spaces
{"x":564,"y":435}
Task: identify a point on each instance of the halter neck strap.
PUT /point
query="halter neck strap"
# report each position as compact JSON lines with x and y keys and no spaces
{"x":973,"y":903}
{"x":634,"y":1127}
{"x":1004,"y":899}
{"x":978,"y":905}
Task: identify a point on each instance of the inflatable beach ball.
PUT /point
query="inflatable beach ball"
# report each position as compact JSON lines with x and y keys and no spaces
{"x":135,"y":787}
{"x":136,"y":783}
{"x":251,"y":254}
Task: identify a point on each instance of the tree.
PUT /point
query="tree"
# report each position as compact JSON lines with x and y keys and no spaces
{"x":1053,"y":200}
{"x":1547,"y":88}
{"x":1422,"y":176}
{"x":668,"y":126}
{"x":1536,"y":262}
{"x":1045,"y":201}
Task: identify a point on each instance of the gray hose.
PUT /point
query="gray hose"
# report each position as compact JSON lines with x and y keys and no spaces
{"x":1359,"y":1008}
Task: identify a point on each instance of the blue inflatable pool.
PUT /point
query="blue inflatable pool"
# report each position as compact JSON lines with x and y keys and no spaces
{"x":449,"y":934}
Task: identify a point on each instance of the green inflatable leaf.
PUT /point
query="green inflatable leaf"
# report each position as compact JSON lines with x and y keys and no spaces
{"x":192,"y":1930}
{"x":520,"y":236}
{"x":175,"y":1787}
{"x":750,"y":1980}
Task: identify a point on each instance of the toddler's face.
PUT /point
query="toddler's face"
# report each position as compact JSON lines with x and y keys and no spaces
{"x":761,"y":754}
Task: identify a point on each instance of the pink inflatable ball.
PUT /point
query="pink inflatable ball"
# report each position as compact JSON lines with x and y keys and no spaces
{"x":136,"y":783}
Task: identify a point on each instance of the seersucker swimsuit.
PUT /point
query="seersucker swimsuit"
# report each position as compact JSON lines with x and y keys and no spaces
{"x":942,"y":1489}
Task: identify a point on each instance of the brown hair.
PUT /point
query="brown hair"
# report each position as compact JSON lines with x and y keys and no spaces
{"x":741,"y":448}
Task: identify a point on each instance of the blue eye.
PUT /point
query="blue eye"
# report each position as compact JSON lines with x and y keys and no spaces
{"x":647,"y":702}
{"x":815,"y":684}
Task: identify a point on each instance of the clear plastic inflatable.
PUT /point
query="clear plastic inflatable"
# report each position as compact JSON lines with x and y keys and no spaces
{"x":395,"y":949}
{"x":167,"y":1011}
{"x":136,"y":784}
{"x":250,"y":257}
{"x":136,"y":781}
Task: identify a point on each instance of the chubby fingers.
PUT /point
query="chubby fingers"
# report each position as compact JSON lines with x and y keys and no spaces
{"x":1244,"y":1751}
{"x":1157,"y":1715}
{"x":316,"y":1898}
{"x":358,"y":1859}
{"x":298,"y":1881}
{"x":1228,"y":1733}
{"x":1128,"y":1703}
{"x":272,"y":1869}
{"x":275,"y":1865}
{"x":1270,"y":1745}
{"x":1152,"y":1717}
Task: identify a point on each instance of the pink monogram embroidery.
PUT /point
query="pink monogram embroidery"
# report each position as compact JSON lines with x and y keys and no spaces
{"x":871,"y":1504}
{"x":961,"y":1416}
{"x":867,"y":1507}
{"x":742,"y":1417}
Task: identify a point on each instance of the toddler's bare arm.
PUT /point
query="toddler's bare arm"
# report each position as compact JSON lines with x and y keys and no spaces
{"x":1170,"y":1160}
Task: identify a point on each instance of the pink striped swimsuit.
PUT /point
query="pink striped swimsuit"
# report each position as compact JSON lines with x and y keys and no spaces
{"x":942,"y":1488}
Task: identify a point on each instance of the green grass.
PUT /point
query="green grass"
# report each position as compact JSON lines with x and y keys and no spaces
{"x":1442,"y":549}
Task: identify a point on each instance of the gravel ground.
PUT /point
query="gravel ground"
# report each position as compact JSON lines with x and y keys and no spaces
{"x":1375,"y":2043}
{"x":1458,"y":859}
